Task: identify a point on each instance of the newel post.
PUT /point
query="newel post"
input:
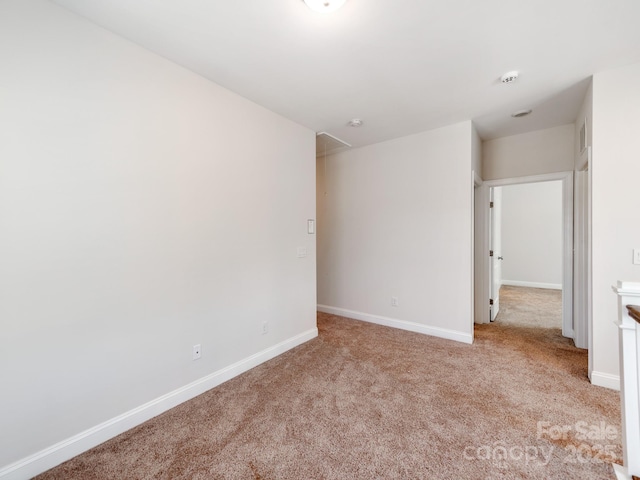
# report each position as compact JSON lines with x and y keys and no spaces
{"x":629,"y":342}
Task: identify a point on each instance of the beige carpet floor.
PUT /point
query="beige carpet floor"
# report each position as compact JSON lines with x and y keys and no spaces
{"x":533,"y":307}
{"x":364,"y":401}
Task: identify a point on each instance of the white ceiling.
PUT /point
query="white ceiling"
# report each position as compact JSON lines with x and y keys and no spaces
{"x":403,"y":66}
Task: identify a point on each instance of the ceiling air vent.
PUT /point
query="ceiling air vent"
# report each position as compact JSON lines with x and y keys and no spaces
{"x":583,"y":136}
{"x":326,"y":144}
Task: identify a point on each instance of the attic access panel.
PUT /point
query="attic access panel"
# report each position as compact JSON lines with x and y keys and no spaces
{"x":326,"y":144}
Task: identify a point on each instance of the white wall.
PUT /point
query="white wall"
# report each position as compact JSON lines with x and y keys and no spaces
{"x":615,"y":226}
{"x":143,"y":210}
{"x":532,"y":234}
{"x":397,"y":221}
{"x":534,"y":153}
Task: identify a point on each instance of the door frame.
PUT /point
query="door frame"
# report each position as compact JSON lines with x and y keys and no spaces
{"x":567,"y":240}
{"x":480,"y":286}
{"x":582,"y":253}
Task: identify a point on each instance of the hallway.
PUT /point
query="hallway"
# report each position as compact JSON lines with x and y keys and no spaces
{"x":530,"y":307}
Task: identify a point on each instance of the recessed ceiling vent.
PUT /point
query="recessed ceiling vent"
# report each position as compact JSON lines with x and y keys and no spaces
{"x":326,"y":144}
{"x":521,"y":113}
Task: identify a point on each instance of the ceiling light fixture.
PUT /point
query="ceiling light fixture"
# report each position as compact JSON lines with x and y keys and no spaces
{"x":324,"y":6}
{"x":509,"y":77}
{"x":521,"y":113}
{"x":356,"y":122}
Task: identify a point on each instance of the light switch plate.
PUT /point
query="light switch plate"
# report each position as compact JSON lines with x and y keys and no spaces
{"x":636,"y":256}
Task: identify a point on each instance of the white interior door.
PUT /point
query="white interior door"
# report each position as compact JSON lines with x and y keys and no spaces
{"x":480,"y":259}
{"x":495,"y":250}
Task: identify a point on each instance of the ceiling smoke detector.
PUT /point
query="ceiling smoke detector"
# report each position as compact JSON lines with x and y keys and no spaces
{"x":521,"y":113}
{"x":356,"y":122}
{"x":509,"y":77}
{"x":324,"y":6}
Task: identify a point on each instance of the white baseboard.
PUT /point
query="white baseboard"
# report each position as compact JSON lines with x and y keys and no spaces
{"x":518,"y":283}
{"x":61,"y":452}
{"x":605,"y":380}
{"x":401,"y":324}
{"x":621,"y":472}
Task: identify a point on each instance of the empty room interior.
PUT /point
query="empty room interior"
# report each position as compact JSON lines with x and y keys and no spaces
{"x":315,"y":239}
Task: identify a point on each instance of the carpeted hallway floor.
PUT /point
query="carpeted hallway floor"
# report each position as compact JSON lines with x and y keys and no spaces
{"x":532,"y":307}
{"x":364,"y":401}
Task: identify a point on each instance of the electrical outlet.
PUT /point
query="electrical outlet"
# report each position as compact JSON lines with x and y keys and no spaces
{"x":197,"y":352}
{"x":394,"y":302}
{"x":265,"y":327}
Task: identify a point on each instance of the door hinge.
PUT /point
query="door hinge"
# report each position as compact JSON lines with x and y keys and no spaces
{"x":490,"y":204}
{"x":491,"y":253}
{"x":491,"y":301}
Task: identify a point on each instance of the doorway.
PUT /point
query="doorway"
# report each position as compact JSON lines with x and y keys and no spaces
{"x":489,"y":267}
{"x":526,"y":237}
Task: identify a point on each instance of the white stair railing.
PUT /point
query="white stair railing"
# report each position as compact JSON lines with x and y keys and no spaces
{"x":629,"y":341}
